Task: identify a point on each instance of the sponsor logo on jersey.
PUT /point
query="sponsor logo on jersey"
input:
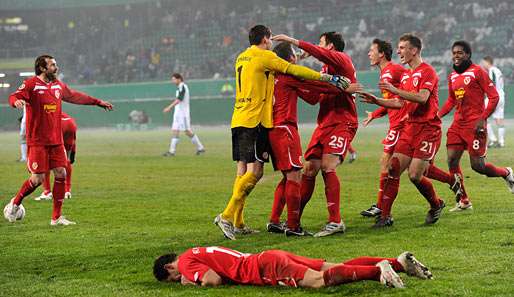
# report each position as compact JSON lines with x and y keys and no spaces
{"x":48,"y":108}
{"x":459,"y":93}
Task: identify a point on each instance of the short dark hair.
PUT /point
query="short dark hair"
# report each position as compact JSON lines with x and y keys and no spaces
{"x":41,"y":62}
{"x":284,"y":50}
{"x":257,"y":33}
{"x":160,"y":273}
{"x":466,"y":47}
{"x":335,"y":38}
{"x":384,"y":47}
{"x":413,"y":40}
{"x":177,"y":76}
{"x":489,"y":59}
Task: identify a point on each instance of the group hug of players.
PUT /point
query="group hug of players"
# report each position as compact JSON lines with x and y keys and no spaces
{"x":264,"y":124}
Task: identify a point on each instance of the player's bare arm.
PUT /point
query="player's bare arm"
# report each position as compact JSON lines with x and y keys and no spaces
{"x":420,"y":97}
{"x":20,"y":104}
{"x":285,"y":38}
{"x":387,"y":103}
{"x":171,"y":106}
{"x":211,"y":279}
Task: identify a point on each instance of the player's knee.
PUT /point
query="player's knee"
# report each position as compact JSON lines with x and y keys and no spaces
{"x":453,"y":162}
{"x":415,"y":177}
{"x":393,"y":168}
{"x":310,"y":169}
{"x":478,"y":165}
{"x":59,"y":172}
{"x":37,"y":179}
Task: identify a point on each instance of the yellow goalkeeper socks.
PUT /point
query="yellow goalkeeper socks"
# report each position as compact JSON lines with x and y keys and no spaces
{"x":243,"y":185}
{"x":248,"y":182}
{"x":228,"y":213}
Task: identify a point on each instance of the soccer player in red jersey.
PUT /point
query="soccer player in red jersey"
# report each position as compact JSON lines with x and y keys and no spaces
{"x":421,"y":135}
{"x":337,"y":125}
{"x":214,"y":266}
{"x":285,"y":141}
{"x":69,"y":132}
{"x":467,"y":85}
{"x":379,"y":54}
{"x":42,"y":96}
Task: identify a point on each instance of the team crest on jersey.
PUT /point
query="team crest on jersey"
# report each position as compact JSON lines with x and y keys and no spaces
{"x":459,"y":93}
{"x":34,"y":165}
{"x":467,"y":80}
{"x":57,"y":94}
{"x":22,"y":86}
{"x":415,"y":81}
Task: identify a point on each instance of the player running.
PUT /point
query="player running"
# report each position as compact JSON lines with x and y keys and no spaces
{"x":42,"y":96}
{"x":255,"y":72}
{"x":421,"y":135}
{"x":285,"y":141}
{"x":380,"y":53}
{"x":498,"y":115}
{"x":69,"y":136}
{"x":181,"y":117}
{"x":467,"y":85}
{"x":337,"y":125}
{"x":214,"y":266}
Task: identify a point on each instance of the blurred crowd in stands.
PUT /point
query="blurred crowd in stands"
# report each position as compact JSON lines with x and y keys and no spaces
{"x":200,"y":39}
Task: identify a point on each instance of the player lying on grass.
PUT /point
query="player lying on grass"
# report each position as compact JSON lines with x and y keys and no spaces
{"x":214,"y":266}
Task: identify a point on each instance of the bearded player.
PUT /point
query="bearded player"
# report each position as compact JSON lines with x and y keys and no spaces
{"x":337,"y":125}
{"x":42,"y":96}
{"x":468,"y":84}
{"x":214,"y":266}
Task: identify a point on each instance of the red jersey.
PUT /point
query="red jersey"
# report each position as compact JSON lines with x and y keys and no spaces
{"x":69,"y":132}
{"x":391,"y":73}
{"x":232,"y":266}
{"x":466,"y":91}
{"x":414,"y":80}
{"x":335,"y":109}
{"x":43,"y":122}
{"x":287,"y":90}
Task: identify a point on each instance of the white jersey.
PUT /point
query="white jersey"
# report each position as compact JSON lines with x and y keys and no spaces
{"x":182,"y":94}
{"x":497,"y":77}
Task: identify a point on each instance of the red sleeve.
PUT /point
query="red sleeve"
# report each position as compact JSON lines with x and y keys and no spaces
{"x":428,"y":80}
{"x":191,"y":268}
{"x":450,"y":102}
{"x":310,"y":90}
{"x":379,"y":112}
{"x":76,"y":97}
{"x":492,"y":94}
{"x":22,"y":93}
{"x":324,"y":55}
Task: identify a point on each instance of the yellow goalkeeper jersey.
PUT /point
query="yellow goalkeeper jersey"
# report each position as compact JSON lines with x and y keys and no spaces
{"x":255,"y":81}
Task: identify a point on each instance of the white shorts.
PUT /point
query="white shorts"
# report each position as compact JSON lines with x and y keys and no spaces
{"x":181,"y":122}
{"x":499,"y":111}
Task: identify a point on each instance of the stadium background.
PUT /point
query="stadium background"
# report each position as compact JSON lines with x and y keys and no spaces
{"x":124,"y":51}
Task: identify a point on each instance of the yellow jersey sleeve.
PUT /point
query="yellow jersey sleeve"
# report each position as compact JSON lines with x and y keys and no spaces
{"x":274,"y":63}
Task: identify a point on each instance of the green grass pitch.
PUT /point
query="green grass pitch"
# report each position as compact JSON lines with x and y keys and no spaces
{"x":132,"y":205}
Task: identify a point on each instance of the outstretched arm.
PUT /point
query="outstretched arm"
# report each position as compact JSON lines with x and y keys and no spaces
{"x":420,"y":97}
{"x":387,"y":103}
{"x":76,"y":97}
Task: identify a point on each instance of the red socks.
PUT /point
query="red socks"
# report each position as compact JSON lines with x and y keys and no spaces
{"x":332,"y":191}
{"x":426,"y":189}
{"x":278,"y":202}
{"x":383,"y":178}
{"x":306,"y":190}
{"x":391,"y":187}
{"x":46,"y":183}
{"x":371,"y":261}
{"x":343,"y":273}
{"x":58,"y":196}
{"x":293,"y":204}
{"x":438,"y":174}
{"x":68,"y":177}
{"x":493,"y":171}
{"x":26,"y":189}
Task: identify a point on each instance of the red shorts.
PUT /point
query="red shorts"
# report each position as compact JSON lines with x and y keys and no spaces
{"x":278,"y":267}
{"x":390,"y":141}
{"x":333,"y":140}
{"x":42,"y":158}
{"x":419,"y":141}
{"x":461,"y":139}
{"x":286,"y":148}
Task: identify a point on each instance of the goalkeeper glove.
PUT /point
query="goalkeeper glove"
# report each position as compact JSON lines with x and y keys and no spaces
{"x":337,"y":80}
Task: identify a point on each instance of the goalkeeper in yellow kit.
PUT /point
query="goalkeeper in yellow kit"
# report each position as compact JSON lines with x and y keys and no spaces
{"x":252,"y":117}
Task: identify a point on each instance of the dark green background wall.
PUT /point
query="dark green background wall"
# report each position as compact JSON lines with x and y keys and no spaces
{"x":208,"y":106}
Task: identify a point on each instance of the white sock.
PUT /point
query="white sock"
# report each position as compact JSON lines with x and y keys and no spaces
{"x":173,"y":144}
{"x":501,"y":135}
{"x":23,"y":149}
{"x":490,"y":133}
{"x":196,"y":141}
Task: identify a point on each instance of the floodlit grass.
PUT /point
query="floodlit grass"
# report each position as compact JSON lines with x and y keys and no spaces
{"x":132,"y":205}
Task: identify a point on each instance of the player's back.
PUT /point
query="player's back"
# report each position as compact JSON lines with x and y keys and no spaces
{"x":254,"y":89}
{"x":231,"y":265}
